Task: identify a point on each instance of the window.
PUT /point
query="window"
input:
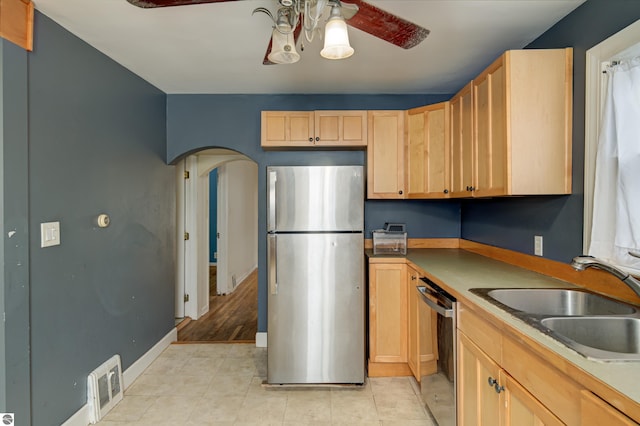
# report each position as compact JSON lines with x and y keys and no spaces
{"x":622,"y":46}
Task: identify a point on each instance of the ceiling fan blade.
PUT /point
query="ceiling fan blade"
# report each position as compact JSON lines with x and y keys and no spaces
{"x":296,"y":35}
{"x":164,"y":3}
{"x":386,"y":26}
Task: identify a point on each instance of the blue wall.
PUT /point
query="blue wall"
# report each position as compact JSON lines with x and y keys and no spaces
{"x":213,"y":215}
{"x":512,"y":222}
{"x":15,"y":380}
{"x":233,"y":121}
{"x":97,"y":144}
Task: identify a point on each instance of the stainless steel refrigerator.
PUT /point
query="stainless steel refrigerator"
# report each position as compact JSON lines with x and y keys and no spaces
{"x":315,"y":257}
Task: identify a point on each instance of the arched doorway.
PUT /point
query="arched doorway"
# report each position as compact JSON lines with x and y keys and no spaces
{"x":230,"y":314}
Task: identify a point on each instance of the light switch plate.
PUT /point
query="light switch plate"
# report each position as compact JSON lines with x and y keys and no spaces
{"x":49,"y":234}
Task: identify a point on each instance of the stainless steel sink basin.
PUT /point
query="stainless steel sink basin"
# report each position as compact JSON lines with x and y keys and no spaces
{"x":603,"y":338}
{"x":595,"y":326}
{"x":557,"y":302}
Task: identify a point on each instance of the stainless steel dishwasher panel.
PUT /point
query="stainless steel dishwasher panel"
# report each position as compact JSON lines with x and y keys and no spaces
{"x":438,"y":390}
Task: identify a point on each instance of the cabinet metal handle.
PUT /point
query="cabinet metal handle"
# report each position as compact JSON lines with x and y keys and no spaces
{"x":317,"y":138}
{"x":413,"y":277}
{"x":494,"y":383}
{"x":272,"y":263}
{"x":446,"y":191}
{"x":310,"y":139}
{"x":271,"y":219}
{"x":400,"y":192}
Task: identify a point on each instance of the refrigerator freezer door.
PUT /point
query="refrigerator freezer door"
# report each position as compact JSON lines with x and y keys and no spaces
{"x":316,"y":315}
{"x":315,"y":199}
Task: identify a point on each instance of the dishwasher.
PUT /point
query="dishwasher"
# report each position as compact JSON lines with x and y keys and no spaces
{"x":438,"y":390}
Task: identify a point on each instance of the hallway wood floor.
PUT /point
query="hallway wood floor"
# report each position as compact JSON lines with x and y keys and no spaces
{"x":231,"y":318}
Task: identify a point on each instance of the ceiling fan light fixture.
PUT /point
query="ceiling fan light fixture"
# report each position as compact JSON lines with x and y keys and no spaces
{"x":283,"y":48}
{"x":336,"y":37}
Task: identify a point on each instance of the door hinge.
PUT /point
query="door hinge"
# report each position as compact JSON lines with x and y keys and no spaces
{"x":218,"y":235}
{"x":186,"y":236}
{"x":186,"y":174}
{"x":186,"y":298}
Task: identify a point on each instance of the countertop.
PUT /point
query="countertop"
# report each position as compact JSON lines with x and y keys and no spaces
{"x":462,"y":270}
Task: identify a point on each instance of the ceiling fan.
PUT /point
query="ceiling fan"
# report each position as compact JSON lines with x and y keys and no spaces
{"x":294,"y":17}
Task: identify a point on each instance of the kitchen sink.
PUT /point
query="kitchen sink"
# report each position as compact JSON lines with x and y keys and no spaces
{"x":603,"y":338}
{"x":595,"y":326}
{"x":557,"y":302}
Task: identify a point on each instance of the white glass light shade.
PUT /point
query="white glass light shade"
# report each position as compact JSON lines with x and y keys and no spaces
{"x":283,"y":48}
{"x":336,"y":40}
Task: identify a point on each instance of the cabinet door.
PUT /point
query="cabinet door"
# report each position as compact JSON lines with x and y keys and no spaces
{"x":462,"y":143}
{"x":521,"y":408}
{"x":428,"y":339}
{"x":413,"y":326}
{"x":388,"y":312}
{"x":385,"y":154}
{"x":341,"y":128}
{"x":478,"y":401}
{"x":490,"y":124}
{"x":539,"y":89}
{"x":427,"y":151}
{"x":596,"y":412}
{"x":286,"y":128}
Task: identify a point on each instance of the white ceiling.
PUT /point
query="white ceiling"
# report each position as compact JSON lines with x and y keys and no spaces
{"x":219,"y":47}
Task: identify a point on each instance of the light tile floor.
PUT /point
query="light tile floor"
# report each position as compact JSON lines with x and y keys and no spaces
{"x":221,"y":384}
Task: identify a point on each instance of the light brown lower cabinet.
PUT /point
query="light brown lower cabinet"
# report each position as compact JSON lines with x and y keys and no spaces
{"x":402,"y":329}
{"x":501,"y":381}
{"x":388,"y":313}
{"x":487,"y":395}
{"x":422,"y":333}
{"x":596,"y":412}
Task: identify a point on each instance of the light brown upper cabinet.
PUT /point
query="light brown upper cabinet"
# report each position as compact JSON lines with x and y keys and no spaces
{"x":462,"y":143}
{"x":385,"y":154}
{"x":427,"y":151}
{"x":521,"y":112}
{"x":287,"y":129}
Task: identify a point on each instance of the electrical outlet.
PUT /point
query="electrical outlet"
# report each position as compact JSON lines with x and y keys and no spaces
{"x":537,"y":245}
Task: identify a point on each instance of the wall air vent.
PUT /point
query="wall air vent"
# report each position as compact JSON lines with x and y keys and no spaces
{"x":104,"y":388}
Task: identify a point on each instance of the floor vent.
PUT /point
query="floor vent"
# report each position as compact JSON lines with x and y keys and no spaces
{"x":104,"y":388}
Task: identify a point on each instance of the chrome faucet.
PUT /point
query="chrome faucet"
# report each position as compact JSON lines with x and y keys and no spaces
{"x":580,"y":263}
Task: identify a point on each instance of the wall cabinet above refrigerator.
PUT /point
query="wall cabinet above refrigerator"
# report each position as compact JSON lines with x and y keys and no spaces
{"x":309,"y":129}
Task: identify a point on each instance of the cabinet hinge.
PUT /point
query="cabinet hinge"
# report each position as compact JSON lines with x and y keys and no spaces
{"x":186,"y":174}
{"x":186,"y":236}
{"x":186,"y":298}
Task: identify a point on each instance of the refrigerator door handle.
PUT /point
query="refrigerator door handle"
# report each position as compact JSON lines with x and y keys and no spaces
{"x":271,"y":220}
{"x":272,"y":262}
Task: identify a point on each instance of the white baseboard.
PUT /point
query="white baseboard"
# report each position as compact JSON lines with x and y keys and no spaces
{"x":261,"y":339}
{"x":136,"y":369}
{"x":82,"y":416}
{"x":203,"y":311}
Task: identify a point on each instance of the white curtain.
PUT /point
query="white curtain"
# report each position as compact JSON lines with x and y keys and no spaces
{"x":616,"y":212}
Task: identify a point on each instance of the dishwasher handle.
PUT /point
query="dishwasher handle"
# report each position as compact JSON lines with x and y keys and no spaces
{"x":446,"y":312}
